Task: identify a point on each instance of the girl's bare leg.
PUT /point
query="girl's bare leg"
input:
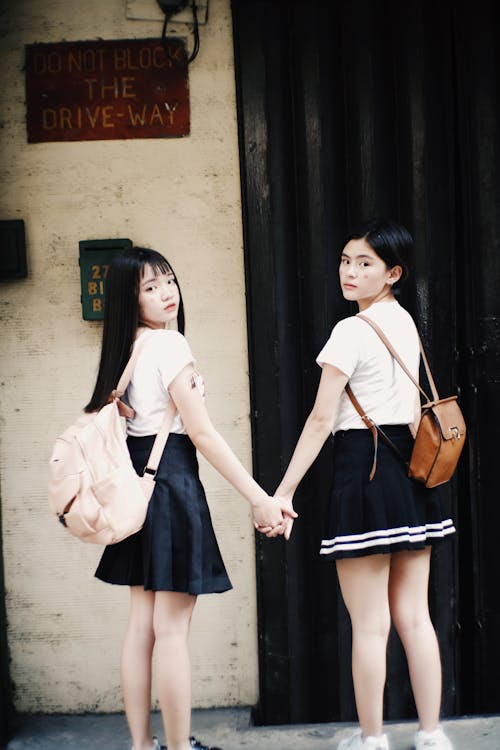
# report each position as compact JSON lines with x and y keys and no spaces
{"x":364,"y":585}
{"x":172,"y":618}
{"x":136,"y":667}
{"x":408,"y":597}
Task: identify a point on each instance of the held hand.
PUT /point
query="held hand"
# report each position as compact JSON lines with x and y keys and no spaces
{"x":267,"y":515}
{"x":285,"y":525}
{"x":289,"y":515}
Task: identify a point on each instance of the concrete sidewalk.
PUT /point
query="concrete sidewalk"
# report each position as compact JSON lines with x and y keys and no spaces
{"x":231,"y":729}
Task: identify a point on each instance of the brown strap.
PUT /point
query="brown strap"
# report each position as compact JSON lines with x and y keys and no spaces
{"x":375,"y":431}
{"x":400,"y":362}
{"x":428,"y":372}
{"x":369,"y":423}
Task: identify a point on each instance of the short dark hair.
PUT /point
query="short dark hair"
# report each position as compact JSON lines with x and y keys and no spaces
{"x":391,"y":241}
{"x":121,"y":316}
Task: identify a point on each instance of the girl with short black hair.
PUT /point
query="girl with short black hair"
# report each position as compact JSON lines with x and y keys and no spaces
{"x":379,"y":532}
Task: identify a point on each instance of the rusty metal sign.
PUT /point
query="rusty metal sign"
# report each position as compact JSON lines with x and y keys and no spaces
{"x":104,"y":90}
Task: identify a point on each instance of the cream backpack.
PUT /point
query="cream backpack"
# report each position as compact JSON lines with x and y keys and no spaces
{"x":93,"y":488}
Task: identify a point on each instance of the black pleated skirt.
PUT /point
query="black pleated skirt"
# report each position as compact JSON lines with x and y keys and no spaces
{"x":176,"y":550}
{"x":390,"y":513}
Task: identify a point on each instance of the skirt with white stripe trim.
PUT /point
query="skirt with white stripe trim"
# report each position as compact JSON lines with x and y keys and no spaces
{"x":390,"y":513}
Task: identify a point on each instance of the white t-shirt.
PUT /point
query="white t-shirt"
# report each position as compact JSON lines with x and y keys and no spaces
{"x":382,"y":388}
{"x":163,"y":357}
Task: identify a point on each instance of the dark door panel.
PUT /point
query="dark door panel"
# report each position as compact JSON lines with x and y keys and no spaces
{"x":345,"y":110}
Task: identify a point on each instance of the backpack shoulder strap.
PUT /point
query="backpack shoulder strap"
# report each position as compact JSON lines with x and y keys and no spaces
{"x":127,"y":373}
{"x":161,"y":439}
{"x":369,"y":423}
{"x":164,"y":431}
{"x":400,"y":362}
{"x":372,"y":426}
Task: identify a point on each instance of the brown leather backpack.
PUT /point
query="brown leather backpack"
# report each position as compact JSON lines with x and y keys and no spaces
{"x":441,"y":432}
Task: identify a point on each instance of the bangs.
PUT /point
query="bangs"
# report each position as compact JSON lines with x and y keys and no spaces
{"x":157,"y":263}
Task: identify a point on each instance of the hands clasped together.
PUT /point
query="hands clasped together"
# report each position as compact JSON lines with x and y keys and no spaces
{"x":274,"y":516}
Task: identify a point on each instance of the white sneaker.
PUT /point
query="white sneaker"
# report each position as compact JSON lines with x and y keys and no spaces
{"x":356,"y":742}
{"x":156,"y":745}
{"x":436,"y":740}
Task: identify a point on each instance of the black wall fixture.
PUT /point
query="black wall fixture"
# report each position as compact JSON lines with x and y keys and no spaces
{"x":346,"y":110}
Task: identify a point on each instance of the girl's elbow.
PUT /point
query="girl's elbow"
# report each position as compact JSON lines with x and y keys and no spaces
{"x":195,"y":435}
{"x":200,"y":435}
{"x":321,"y":424}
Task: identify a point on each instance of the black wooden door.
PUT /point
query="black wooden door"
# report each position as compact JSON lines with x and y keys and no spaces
{"x":478,"y":308}
{"x":346,"y":110}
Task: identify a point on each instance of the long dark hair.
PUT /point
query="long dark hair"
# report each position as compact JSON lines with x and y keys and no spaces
{"x":391,"y":241}
{"x":121,"y":316}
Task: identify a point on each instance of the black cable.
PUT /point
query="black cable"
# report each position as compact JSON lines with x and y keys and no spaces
{"x":196,"y":34}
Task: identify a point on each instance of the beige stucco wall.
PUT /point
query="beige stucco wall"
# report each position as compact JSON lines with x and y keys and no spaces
{"x":182,"y":197}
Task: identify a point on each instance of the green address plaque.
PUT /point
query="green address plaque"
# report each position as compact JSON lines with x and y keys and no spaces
{"x":94,"y":259}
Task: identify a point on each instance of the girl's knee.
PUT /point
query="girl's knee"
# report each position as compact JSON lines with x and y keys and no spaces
{"x":141,"y":611}
{"x":407,"y":620}
{"x":373,"y":623}
{"x":141,"y":629}
{"x":171,"y":629}
{"x":172,"y":614}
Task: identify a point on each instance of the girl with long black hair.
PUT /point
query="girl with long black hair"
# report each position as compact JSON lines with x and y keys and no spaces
{"x":175,"y":557}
